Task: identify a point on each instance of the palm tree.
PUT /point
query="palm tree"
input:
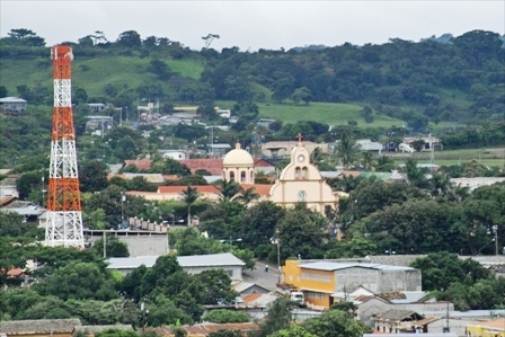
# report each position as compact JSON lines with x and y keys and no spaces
{"x":248,"y":195}
{"x":346,"y":148}
{"x":189,"y":196}
{"x":367,"y":160}
{"x":228,"y":189}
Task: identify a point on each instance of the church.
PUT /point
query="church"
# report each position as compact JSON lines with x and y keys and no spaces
{"x":299,"y":182}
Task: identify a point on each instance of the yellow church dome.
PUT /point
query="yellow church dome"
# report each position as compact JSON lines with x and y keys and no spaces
{"x":238,"y":157}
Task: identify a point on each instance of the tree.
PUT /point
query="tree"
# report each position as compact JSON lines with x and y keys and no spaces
{"x":259,"y":223}
{"x":226,"y":316}
{"x":278,"y":317}
{"x":226,"y":333}
{"x":26,"y":37}
{"x":170,"y":166}
{"x":440,"y":270}
{"x":82,"y":280}
{"x":346,"y":148}
{"x":211,"y":286}
{"x":160,"y":69}
{"x":3,"y":91}
{"x":228,"y":189}
{"x":190,"y":196}
{"x":301,"y":94}
{"x":293,"y":330}
{"x":114,"y":248}
{"x":302,"y":233}
{"x":335,"y":323}
{"x":367,"y":114}
{"x":129,"y":39}
{"x":93,"y":176}
{"x":163,"y":311}
{"x":248,"y":195}
{"x":28,"y":183}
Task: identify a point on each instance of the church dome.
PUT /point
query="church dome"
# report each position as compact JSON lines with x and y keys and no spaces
{"x":238,"y":158}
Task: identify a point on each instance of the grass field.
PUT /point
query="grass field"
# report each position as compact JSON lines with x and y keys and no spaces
{"x":91,"y":74}
{"x":485,"y":156}
{"x":330,"y":113}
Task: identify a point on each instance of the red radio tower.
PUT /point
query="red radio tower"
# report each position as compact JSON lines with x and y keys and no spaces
{"x":64,"y":218}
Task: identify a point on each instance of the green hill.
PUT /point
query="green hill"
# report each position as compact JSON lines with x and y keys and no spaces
{"x":93,"y":74}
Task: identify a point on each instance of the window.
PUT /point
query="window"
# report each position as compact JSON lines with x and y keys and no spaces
{"x":242,"y":176}
{"x":298,"y":172}
{"x":232,"y":176}
{"x":305,"y":173}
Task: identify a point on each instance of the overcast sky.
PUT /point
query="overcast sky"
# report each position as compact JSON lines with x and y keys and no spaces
{"x":254,"y":24}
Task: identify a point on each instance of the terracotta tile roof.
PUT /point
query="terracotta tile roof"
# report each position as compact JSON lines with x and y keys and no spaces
{"x":140,"y":164}
{"x":214,"y":166}
{"x":494,"y":324}
{"x":6,"y":199}
{"x":261,"y":163}
{"x":15,"y":272}
{"x":251,"y":297}
{"x":262,"y":189}
{"x":181,"y":188}
{"x":204,"y":329}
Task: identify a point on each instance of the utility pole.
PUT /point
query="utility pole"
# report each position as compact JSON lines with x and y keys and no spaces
{"x":104,"y":244}
{"x":43,"y":191}
{"x":495,"y":230}
{"x":123,"y":199}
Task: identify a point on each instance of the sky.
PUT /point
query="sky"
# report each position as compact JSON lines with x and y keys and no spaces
{"x":251,"y":25}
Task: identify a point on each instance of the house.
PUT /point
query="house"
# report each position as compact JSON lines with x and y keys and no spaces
{"x":213,"y":166}
{"x":369,"y":146}
{"x":154,"y":178}
{"x":175,"y":192}
{"x":27,"y":209}
{"x":282,"y":149}
{"x":441,"y":334}
{"x":39,"y":328}
{"x":401,"y":321}
{"x":476,"y":182}
{"x":12,"y":105}
{"x":424,"y":143}
{"x":218,"y":150}
{"x":8,"y":184}
{"x":321,"y":281}
{"x":193,"y":264}
{"x":246,"y":288}
{"x":139,"y":164}
{"x":92,"y":330}
{"x":265,"y":122}
{"x":206,"y":328}
{"x":98,"y":125}
{"x":263,"y":166}
{"x":97,"y":107}
{"x":223,"y":113}
{"x":174,"y":154}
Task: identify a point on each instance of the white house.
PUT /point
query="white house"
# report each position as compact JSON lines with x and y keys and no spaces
{"x":174,"y":154}
{"x":12,"y":105}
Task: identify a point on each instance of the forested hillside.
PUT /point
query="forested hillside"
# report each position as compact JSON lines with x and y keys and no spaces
{"x":459,"y":79}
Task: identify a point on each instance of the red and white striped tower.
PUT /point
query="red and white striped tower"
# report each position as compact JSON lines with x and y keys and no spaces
{"x":64,"y":218}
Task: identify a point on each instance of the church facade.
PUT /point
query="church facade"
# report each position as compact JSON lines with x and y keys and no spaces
{"x":299,"y":182}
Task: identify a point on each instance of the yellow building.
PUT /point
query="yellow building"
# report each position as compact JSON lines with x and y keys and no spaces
{"x":324,"y":282}
{"x":491,"y":328}
{"x":301,"y":182}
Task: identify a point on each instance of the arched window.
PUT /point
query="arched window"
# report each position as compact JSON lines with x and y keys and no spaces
{"x":242,"y":176}
{"x":252,"y":177}
{"x":232,"y":176}
{"x":305,"y":173}
{"x":298,"y":173}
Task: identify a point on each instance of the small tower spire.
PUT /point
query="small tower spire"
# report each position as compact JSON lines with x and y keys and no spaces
{"x":300,"y":139}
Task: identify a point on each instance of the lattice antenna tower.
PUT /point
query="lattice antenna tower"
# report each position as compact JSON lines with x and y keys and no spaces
{"x":64,"y":217}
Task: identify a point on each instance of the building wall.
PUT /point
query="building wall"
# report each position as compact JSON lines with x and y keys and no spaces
{"x":140,"y":245}
{"x":477,"y":330}
{"x":457,"y":326}
{"x":235,"y":272}
{"x":55,"y":334}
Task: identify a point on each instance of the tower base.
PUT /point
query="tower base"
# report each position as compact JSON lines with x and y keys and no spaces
{"x":64,"y":229}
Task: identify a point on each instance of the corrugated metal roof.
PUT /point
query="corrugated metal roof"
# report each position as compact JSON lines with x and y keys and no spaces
{"x":39,"y":326}
{"x":12,"y":100}
{"x":209,"y":260}
{"x":332,"y":266}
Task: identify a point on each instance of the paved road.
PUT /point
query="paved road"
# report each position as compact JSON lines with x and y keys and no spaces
{"x":259,"y":276}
